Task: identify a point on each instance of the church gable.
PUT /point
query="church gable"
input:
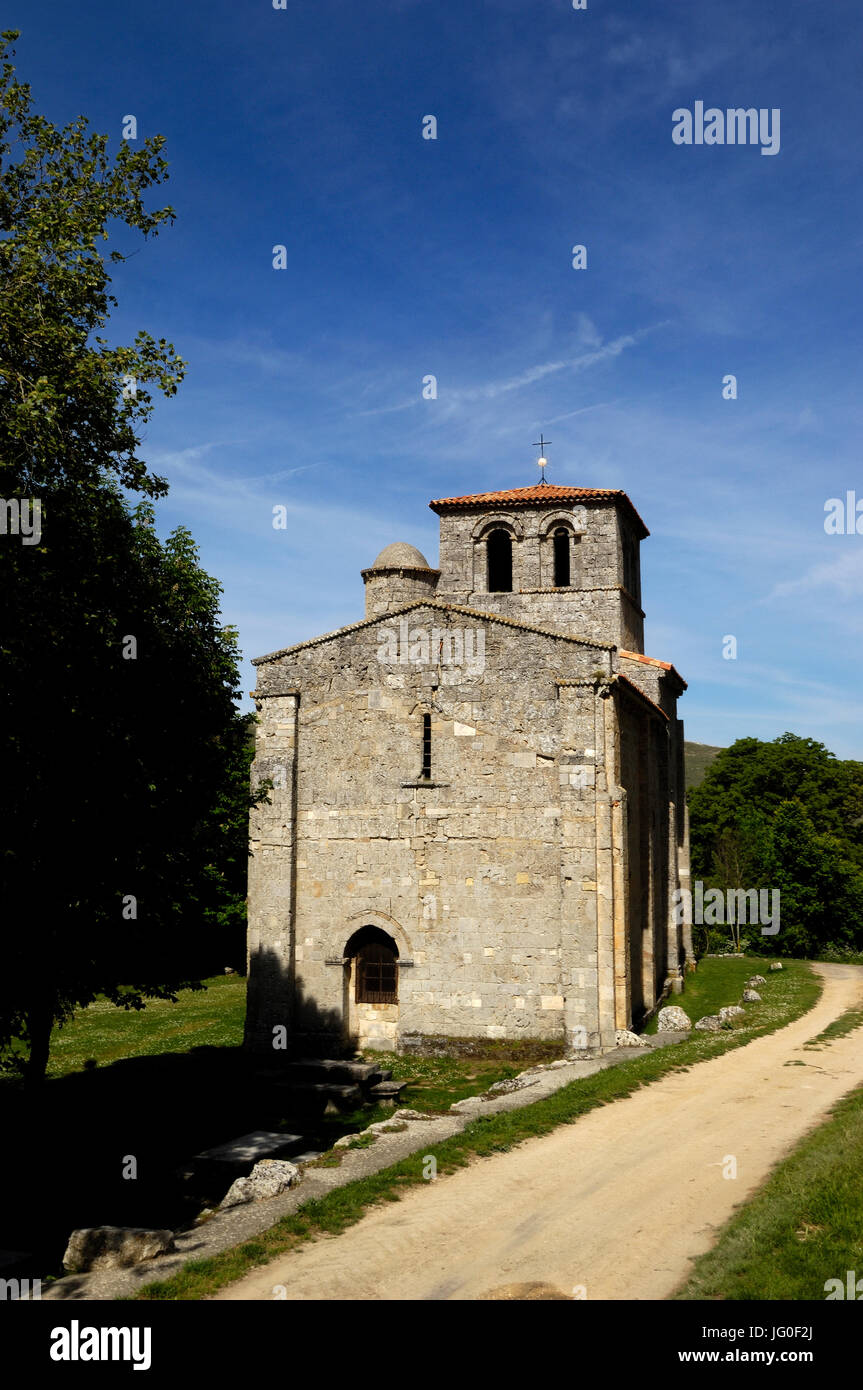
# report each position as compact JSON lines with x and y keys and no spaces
{"x":458,"y":641}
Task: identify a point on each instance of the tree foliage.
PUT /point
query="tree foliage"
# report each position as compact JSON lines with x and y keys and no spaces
{"x":786,"y":815}
{"x":65,"y":417}
{"x":125,"y":761}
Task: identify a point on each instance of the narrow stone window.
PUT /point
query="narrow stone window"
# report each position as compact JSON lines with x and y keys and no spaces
{"x":561,"y":559}
{"x":499,"y":547}
{"x":426,"y":772}
{"x":630,"y":568}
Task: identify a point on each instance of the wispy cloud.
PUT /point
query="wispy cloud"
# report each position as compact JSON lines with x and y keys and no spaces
{"x":492,"y":390}
{"x":844,"y":576}
{"x":583,"y":410}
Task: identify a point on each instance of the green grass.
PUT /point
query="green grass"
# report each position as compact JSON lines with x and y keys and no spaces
{"x":803,"y":1227}
{"x":435,"y":1083}
{"x":102,"y":1033}
{"x":213,"y":1017}
{"x":845,"y":1023}
{"x":718,"y":982}
{"x":793,"y":991}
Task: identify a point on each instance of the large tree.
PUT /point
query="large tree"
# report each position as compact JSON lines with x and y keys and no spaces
{"x":124,"y":759}
{"x":786,"y":815}
{"x":821,"y":891}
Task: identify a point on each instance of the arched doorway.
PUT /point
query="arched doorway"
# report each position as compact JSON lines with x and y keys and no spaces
{"x":372,"y":982}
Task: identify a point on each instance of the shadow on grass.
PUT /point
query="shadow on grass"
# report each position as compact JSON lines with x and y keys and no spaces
{"x":149,"y":1115}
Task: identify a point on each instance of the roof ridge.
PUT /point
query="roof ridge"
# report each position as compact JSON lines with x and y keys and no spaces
{"x":539,"y":492}
{"x":652,"y":661}
{"x":443,"y":607}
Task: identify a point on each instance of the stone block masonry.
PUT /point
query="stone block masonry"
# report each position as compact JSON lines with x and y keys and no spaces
{"x":466,"y":849}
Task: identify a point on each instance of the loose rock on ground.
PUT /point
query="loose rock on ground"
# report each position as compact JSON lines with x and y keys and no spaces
{"x":673,"y":1019}
{"x":114,"y":1247}
{"x":268,"y":1178}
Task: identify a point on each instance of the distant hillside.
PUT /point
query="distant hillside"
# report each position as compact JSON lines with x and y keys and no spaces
{"x":696,"y":757}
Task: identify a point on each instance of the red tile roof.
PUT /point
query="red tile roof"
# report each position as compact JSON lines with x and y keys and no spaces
{"x":653,"y":661}
{"x":539,"y":492}
{"x":648,"y":660}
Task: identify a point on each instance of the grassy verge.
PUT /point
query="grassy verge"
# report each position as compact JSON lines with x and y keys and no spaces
{"x":790,"y":993}
{"x":435,"y":1083}
{"x":845,"y":1023}
{"x":214,"y":1017}
{"x":719,"y":980}
{"x":803,"y":1227}
{"x":102,"y":1033}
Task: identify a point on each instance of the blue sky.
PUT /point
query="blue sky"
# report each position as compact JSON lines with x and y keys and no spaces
{"x":408,"y":257}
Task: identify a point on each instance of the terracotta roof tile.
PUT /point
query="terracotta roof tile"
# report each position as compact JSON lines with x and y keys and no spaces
{"x":652,"y":661}
{"x":648,"y":660}
{"x":538,"y":492}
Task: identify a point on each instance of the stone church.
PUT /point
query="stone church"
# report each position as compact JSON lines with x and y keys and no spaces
{"x":476,"y":819}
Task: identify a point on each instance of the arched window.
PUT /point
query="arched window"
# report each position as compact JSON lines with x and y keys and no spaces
{"x":561,"y":559}
{"x":376,"y":967}
{"x":499,"y":562}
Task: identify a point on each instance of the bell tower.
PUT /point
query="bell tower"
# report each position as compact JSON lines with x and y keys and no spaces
{"x":551,"y":555}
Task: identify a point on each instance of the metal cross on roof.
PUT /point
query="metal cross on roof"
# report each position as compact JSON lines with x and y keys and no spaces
{"x":541,"y":444}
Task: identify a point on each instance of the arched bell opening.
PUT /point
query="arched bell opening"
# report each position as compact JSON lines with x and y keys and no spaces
{"x":499,"y":549}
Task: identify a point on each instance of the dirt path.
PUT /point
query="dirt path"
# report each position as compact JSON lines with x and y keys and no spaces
{"x":618,"y":1203}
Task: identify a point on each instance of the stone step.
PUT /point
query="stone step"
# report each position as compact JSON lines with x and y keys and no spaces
{"x":328,"y":1097}
{"x":386,"y":1092}
{"x":332,"y":1069}
{"x":341,"y":1089}
{"x":240,"y":1155}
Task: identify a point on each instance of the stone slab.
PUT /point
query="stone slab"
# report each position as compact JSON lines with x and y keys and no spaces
{"x":248,"y":1149}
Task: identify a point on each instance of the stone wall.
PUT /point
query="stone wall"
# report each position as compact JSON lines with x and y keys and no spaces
{"x":662,"y":685}
{"x":391,"y":587}
{"x":527,"y":881}
{"x":483,"y":876}
{"x":597,"y":603}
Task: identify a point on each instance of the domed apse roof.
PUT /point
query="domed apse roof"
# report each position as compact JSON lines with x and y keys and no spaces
{"x":400,"y":555}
